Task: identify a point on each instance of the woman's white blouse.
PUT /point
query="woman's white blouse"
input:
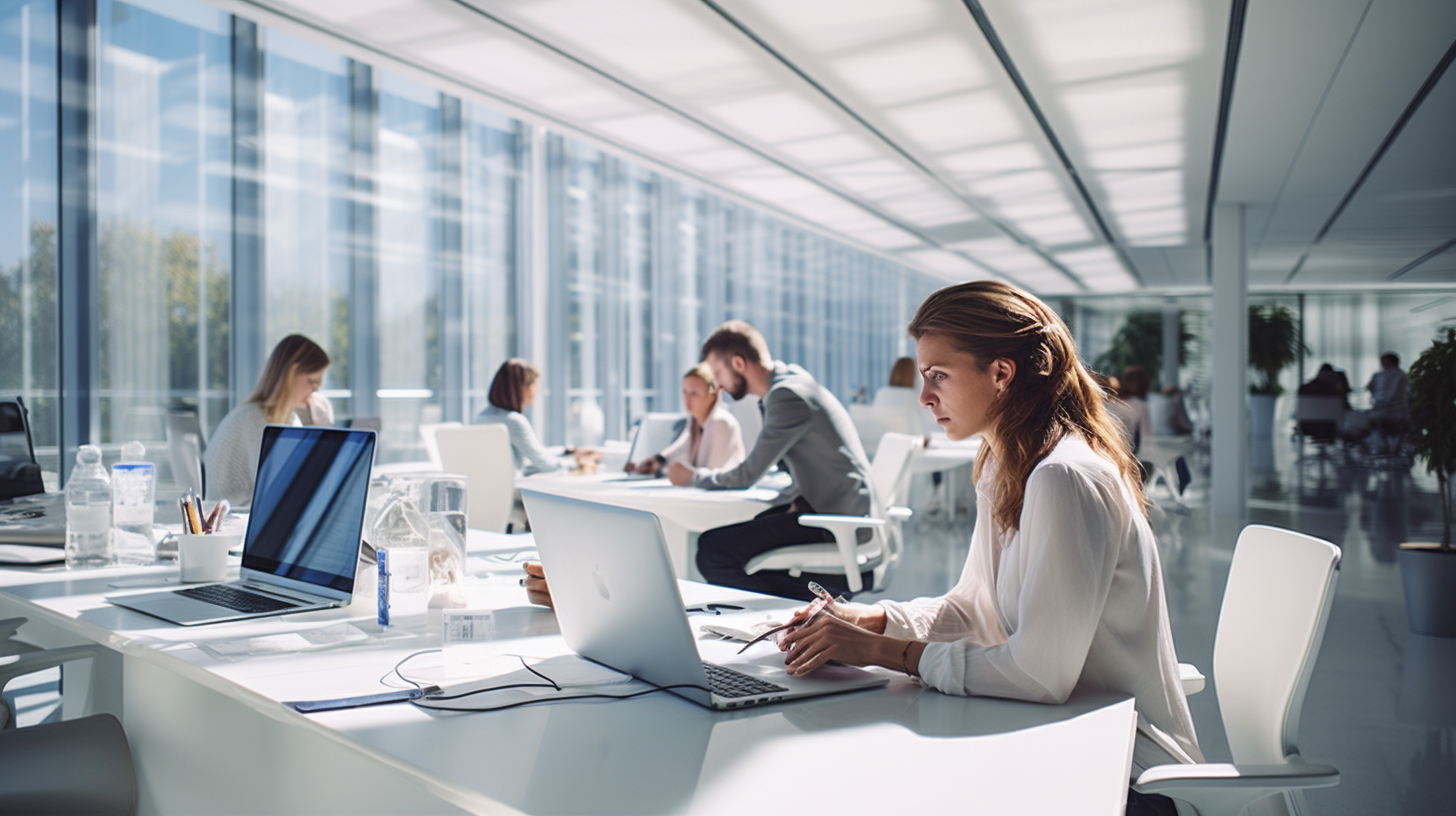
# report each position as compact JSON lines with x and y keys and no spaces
{"x":1074,"y":599}
{"x":719,"y":442}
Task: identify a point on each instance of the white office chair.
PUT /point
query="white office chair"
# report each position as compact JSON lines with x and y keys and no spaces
{"x":846,"y":555}
{"x":429,"y":435}
{"x":81,"y":766}
{"x":872,"y":422}
{"x":1275,"y":605}
{"x":185,"y":446}
{"x":482,"y":454}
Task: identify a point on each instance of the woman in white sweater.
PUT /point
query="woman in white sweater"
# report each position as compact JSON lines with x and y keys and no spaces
{"x":1062,"y":588}
{"x":287,"y":389}
{"x":712,"y":438}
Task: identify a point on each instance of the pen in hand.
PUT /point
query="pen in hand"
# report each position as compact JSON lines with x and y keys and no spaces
{"x":815,"y":608}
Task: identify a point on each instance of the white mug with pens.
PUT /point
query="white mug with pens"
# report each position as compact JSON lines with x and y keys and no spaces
{"x":202,"y":548}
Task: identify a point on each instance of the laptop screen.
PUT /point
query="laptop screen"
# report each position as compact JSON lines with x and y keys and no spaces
{"x":308,"y":504}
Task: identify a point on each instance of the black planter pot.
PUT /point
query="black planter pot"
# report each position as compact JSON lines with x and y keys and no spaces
{"x":1429,"y":577}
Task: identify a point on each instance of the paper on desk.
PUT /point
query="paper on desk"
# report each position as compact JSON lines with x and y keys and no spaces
{"x":575,"y":675}
{"x":306,"y":640}
{"x":30,"y":555}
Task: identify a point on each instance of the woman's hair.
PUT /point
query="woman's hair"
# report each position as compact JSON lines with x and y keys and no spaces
{"x":508,"y":389}
{"x":702,"y":372}
{"x":902,"y":373}
{"x":1052,"y":393}
{"x":294,"y":354}
{"x":1134,"y":382}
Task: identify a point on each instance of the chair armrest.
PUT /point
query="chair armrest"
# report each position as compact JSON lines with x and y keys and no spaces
{"x":844,"y":528}
{"x":1191,"y":678}
{"x":1170,"y":779}
{"x":898,"y":514}
{"x":21,"y":665}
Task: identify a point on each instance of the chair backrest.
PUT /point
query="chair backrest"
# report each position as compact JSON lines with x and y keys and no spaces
{"x":185,"y":445}
{"x":1280,"y":587}
{"x":890,"y":466}
{"x":872,"y":422}
{"x":482,"y":454}
{"x":1309,"y":408}
{"x":750,"y":421}
{"x":432,"y":443}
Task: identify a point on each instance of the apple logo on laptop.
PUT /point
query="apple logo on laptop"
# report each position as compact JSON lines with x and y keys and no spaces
{"x":601,"y":582}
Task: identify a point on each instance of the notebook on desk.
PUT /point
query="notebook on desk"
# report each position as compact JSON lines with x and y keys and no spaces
{"x":617,"y":603}
{"x":302,"y":545}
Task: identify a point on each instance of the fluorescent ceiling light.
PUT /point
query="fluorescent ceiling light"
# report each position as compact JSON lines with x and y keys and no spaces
{"x":1003,"y":158}
{"x":1015,"y":184}
{"x":957,"y":123}
{"x":833,"y":25}
{"x":776,"y":117}
{"x":825,"y":151}
{"x":721,"y":160}
{"x":1079,"y":40}
{"x":927,"y":208}
{"x":660,"y":133}
{"x":943,"y":263}
{"x":1056,"y":230}
{"x":877,"y":178}
{"x":906,"y":71}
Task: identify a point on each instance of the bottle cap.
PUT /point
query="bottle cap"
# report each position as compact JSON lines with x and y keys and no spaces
{"x":133,"y":451}
{"x":88,"y":455}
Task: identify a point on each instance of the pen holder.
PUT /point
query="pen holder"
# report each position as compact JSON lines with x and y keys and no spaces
{"x":203,"y":556}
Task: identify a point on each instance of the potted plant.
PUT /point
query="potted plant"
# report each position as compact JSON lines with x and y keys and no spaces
{"x":1274,"y":345}
{"x":1140,"y":342}
{"x":1428,"y":570}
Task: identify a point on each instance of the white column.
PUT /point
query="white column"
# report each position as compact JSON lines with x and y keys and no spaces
{"x":1172,"y":343}
{"x":535,"y":343}
{"x":1230,"y":400}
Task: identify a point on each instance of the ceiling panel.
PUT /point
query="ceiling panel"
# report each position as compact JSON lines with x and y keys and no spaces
{"x":897,"y":125}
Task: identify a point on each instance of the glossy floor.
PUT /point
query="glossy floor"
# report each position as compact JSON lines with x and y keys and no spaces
{"x":1381,"y":705}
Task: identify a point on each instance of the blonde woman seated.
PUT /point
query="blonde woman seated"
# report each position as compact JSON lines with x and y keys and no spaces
{"x":712,"y":439}
{"x":1062,"y":587}
{"x":287,"y":388}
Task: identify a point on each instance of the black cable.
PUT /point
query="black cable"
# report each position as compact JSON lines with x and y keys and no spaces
{"x":653,"y":690}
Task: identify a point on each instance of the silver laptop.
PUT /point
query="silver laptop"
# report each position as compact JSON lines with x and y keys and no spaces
{"x":618,"y":604}
{"x":302,"y":545}
{"x":653,"y":433}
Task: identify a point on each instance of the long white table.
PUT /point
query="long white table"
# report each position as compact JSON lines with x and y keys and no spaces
{"x":684,"y":512}
{"x":210,"y":736}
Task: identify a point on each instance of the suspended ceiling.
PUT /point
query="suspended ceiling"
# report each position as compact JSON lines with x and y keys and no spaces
{"x":1064,"y":145}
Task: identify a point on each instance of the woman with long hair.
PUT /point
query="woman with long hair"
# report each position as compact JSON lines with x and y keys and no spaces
{"x":287,"y":388}
{"x":1062,"y":588}
{"x":712,"y":438}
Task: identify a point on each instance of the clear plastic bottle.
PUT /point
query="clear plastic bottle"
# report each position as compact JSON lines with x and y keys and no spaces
{"x":88,"y":512}
{"x":133,"y":506}
{"x":402,"y":537}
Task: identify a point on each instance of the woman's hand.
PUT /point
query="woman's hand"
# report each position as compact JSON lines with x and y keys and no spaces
{"x":866,"y":616}
{"x":537,"y":591}
{"x":828,"y":637}
{"x":679,"y":474}
{"x":648,"y":466}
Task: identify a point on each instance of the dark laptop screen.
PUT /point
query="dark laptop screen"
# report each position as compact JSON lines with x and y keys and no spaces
{"x":308,"y":504}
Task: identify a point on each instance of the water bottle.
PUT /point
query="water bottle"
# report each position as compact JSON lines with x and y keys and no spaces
{"x":133,"y":504}
{"x":88,"y":512}
{"x":402,"y":537}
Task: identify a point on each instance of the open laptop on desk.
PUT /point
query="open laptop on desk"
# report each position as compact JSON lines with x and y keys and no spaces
{"x":618,"y":604}
{"x":303,"y":536}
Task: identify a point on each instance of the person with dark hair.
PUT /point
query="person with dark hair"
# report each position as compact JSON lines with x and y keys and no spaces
{"x":808,"y":430}
{"x":1062,"y":587}
{"x":1389,"y":413}
{"x":286,"y":394}
{"x":1328,"y":382}
{"x":511,"y":392}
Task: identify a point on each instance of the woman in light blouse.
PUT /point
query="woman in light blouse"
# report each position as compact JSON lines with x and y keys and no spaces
{"x":712,"y":438}
{"x":1062,"y":588}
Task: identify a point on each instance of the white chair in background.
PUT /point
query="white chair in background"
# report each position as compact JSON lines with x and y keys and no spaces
{"x":846,"y":555}
{"x":482,"y":454}
{"x":185,"y":446}
{"x":1270,"y":627}
{"x":428,"y":435}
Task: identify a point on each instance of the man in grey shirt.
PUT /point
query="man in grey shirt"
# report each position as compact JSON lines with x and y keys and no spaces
{"x":807,"y":429}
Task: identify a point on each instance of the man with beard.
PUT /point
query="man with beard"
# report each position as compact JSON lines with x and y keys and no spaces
{"x":808,"y":430}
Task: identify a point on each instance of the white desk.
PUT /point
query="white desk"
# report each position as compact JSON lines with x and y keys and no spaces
{"x":209,"y":735}
{"x":684,"y":511}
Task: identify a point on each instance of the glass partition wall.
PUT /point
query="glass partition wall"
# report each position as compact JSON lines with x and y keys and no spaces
{"x":399,"y":226}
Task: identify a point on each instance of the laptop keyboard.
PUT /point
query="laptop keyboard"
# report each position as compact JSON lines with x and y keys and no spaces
{"x":731,"y":684}
{"x":238,"y":600}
